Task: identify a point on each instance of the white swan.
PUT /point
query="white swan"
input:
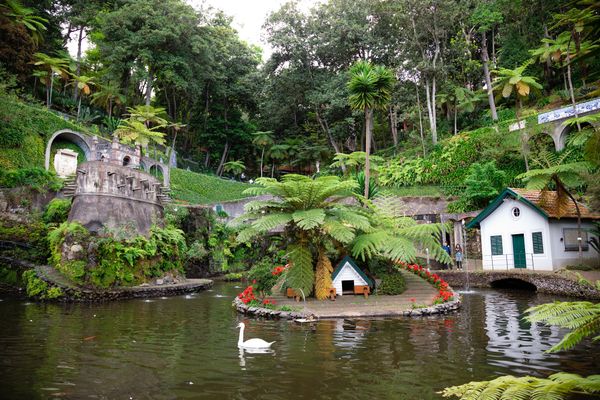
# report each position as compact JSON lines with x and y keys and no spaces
{"x":251,"y":343}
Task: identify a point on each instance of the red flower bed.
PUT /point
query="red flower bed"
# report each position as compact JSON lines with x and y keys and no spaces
{"x":444,"y":294}
{"x":247,"y":295}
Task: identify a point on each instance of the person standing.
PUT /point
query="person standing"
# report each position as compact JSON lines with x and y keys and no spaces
{"x":448,"y":250}
{"x":458,"y":256}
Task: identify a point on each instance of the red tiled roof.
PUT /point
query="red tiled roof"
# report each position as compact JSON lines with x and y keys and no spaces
{"x":548,"y":202}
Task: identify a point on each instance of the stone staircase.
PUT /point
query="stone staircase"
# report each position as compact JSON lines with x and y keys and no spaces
{"x":69,"y":186}
{"x":164,"y":195}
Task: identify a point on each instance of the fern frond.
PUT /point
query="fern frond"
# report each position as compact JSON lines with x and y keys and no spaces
{"x":368,"y":244}
{"x":300,"y":275}
{"x":271,"y":221}
{"x":309,"y":219}
{"x":338,"y":231}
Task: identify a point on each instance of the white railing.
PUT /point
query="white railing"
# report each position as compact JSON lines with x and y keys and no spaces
{"x":507,"y":262}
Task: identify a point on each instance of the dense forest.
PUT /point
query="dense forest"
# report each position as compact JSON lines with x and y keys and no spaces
{"x":461,"y":73}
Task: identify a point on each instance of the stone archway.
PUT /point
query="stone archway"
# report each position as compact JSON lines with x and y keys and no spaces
{"x":77,"y":138}
{"x":561,"y":133}
{"x":513,"y":283}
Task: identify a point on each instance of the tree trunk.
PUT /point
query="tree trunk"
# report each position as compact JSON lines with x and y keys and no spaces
{"x":420,"y":120}
{"x":49,"y":100}
{"x":488,"y":79}
{"x":78,"y":108}
{"x":394,"y":125}
{"x":572,"y":92}
{"x":430,"y":112}
{"x":223,"y":158}
{"x":78,"y":64}
{"x":149,"y":87}
{"x":523,"y":134}
{"x":262,"y":156}
{"x":455,"y":112}
{"x":368,"y":114}
{"x":110,"y":108}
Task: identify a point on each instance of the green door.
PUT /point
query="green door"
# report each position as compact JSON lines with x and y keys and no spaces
{"x":519,"y":251}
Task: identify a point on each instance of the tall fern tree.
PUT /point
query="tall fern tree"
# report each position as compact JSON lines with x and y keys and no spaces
{"x":311,"y":212}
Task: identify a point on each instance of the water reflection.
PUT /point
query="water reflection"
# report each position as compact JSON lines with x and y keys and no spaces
{"x":186,"y":347}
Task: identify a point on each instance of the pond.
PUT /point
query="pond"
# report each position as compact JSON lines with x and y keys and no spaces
{"x":185,"y":348}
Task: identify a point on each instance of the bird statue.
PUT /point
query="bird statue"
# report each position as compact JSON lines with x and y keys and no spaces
{"x":251,"y":343}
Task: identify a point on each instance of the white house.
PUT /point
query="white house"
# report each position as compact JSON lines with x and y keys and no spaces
{"x":347,"y":275}
{"x":529,"y":229}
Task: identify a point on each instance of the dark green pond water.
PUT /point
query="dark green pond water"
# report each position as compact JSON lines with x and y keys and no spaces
{"x":185,"y":348}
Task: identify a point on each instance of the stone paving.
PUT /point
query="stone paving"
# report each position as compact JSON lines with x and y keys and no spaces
{"x":357,"y":306}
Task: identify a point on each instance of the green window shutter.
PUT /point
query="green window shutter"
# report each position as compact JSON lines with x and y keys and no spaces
{"x":496,"y":245}
{"x":538,"y":243}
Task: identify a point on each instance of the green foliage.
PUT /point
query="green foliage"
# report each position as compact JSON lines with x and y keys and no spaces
{"x":261,"y":272}
{"x":300,"y":275}
{"x":197,"y":188}
{"x":373,"y":186}
{"x":581,"y":317}
{"x":483,"y":183}
{"x":392,"y":284}
{"x":36,"y":178}
{"x":57,"y":211}
{"x":119,"y":261}
{"x":24,"y":131}
{"x":233,"y":276}
{"x":34,"y":286}
{"x":8,"y":276}
{"x":556,"y":387}
{"x":54,"y":293}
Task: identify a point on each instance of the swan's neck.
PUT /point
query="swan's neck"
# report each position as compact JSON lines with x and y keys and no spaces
{"x":241,"y":339}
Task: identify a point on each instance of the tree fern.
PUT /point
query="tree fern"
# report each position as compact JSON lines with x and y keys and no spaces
{"x":323,"y":276}
{"x":582,"y":317}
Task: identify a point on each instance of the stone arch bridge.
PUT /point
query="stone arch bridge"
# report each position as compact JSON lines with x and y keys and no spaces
{"x":100,"y":149}
{"x":543,"y":282}
{"x":554,"y":122}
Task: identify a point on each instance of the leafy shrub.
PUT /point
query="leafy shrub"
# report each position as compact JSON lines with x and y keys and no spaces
{"x":34,"y":286}
{"x":57,"y":211}
{"x":8,"y":276}
{"x":262,"y":277}
{"x":36,"y":178}
{"x":392,"y":284}
{"x":483,"y":183}
{"x":233,"y":276}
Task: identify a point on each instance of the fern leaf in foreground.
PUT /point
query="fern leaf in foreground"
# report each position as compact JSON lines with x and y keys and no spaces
{"x":582,"y":317}
{"x":556,"y":387}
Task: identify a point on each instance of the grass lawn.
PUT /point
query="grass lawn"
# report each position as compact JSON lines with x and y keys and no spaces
{"x":428,"y":191}
{"x":194,"y":188}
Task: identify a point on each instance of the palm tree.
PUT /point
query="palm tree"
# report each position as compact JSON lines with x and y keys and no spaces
{"x":108,"y":96}
{"x":83,"y":84}
{"x":25,"y":16}
{"x":370,"y":88}
{"x":236,"y":167}
{"x":312,"y":213}
{"x":262,"y":139}
{"x":554,"y":171}
{"x":511,"y":81}
{"x":52,"y":66}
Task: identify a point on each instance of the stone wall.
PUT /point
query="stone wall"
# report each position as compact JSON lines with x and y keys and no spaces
{"x":112,"y":196}
{"x":545,"y":282}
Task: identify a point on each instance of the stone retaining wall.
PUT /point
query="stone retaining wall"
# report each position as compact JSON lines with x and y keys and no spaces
{"x":436,"y":309}
{"x":545,"y":282}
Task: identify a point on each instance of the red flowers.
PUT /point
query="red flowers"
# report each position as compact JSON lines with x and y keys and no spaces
{"x":247,"y":295}
{"x":278,"y":270}
{"x":444,"y":294}
{"x":267,"y":302}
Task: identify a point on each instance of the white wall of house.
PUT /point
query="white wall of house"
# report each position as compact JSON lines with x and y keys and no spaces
{"x":347,"y":274}
{"x":502,"y":222}
{"x":562,"y":257}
